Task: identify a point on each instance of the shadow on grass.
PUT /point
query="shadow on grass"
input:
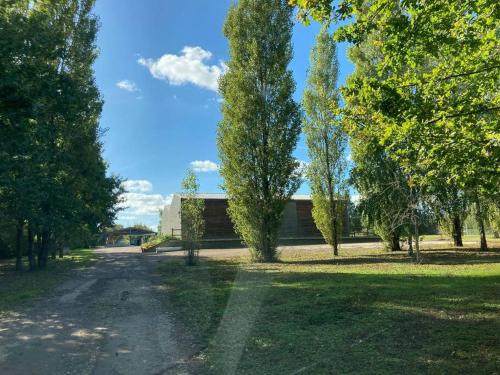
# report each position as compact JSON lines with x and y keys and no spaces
{"x":308,"y":321}
{"x":17,"y":288}
{"x":451,"y":256}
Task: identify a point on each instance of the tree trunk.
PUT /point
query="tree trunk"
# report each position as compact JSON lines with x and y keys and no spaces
{"x":39,"y":249}
{"x":61,"y":251}
{"x":331,"y":197}
{"x":335,"y":238}
{"x":19,"y":247}
{"x":31,"y":255}
{"x":45,"y":248}
{"x":53,"y":248}
{"x":457,"y":231}
{"x":410,"y":246}
{"x":395,"y":245}
{"x":267,"y":251}
{"x":417,"y":240}
{"x":480,"y":223}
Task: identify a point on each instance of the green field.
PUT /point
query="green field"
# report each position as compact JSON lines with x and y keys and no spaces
{"x":466,"y":238}
{"x":17,"y":288}
{"x":367,"y":312}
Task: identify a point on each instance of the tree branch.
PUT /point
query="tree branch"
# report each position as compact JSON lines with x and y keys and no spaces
{"x":457,"y":75}
{"x":485,"y":110}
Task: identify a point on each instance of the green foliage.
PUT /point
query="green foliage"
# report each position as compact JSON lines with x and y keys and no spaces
{"x":436,"y":92}
{"x":384,"y":188}
{"x":141,"y":227}
{"x":153,"y":243}
{"x":53,"y":179}
{"x":450,"y":207}
{"x":355,"y":218}
{"x":261,"y":122}
{"x":193,"y":223}
{"x":432,"y":95}
{"x":319,"y":10}
{"x":326,"y":140}
{"x":20,"y":289}
{"x":494,"y":217}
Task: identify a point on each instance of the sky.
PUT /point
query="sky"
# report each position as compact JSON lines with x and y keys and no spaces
{"x":157,"y":72}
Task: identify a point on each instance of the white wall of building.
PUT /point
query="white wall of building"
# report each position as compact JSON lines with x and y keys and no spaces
{"x":171,"y":217}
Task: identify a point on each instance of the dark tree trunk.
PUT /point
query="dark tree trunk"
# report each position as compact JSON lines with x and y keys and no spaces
{"x":395,"y":245}
{"x":482,"y":233}
{"x":61,"y":251}
{"x":31,"y":255}
{"x":335,"y":238}
{"x":53,"y":247}
{"x":267,"y":250}
{"x":45,"y":248}
{"x":39,"y":249}
{"x":480,"y":223}
{"x":410,"y":246}
{"x":19,"y":247}
{"x":457,"y":231}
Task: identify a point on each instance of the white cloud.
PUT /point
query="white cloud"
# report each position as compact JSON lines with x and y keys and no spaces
{"x":204,"y":166}
{"x":143,"y":204}
{"x":140,"y":186}
{"x":355,"y":198}
{"x":127,"y":85}
{"x":187,"y":67}
{"x":139,"y":201}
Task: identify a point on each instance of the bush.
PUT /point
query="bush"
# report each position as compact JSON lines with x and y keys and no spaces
{"x":155,"y":242}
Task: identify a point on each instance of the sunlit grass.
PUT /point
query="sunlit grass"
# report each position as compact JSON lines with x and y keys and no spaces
{"x":366,"y":311}
{"x":18,"y":288}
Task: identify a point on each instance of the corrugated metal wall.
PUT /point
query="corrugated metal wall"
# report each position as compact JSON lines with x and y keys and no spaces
{"x":297,"y":220}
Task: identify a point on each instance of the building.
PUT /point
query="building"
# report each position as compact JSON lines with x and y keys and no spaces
{"x":297,"y":222}
{"x":127,"y":236}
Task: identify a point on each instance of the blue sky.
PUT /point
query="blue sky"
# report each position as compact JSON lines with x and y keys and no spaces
{"x":157,"y":70}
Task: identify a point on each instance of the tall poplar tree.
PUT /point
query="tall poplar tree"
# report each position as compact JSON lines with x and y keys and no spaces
{"x":326,"y":140}
{"x":261,"y":122}
{"x":52,"y":173}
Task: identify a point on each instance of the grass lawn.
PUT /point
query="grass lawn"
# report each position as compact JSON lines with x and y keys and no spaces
{"x":17,"y":288}
{"x":365,"y":312}
{"x":465,"y":237}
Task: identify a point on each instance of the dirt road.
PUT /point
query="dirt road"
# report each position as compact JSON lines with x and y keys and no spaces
{"x":107,"y":319}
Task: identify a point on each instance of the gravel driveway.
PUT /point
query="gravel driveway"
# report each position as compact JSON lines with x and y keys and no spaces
{"x":106,"y":319}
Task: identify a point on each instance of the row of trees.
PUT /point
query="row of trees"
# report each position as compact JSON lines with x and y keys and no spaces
{"x":53,"y":180}
{"x":423,"y":102}
{"x":420,"y":112}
